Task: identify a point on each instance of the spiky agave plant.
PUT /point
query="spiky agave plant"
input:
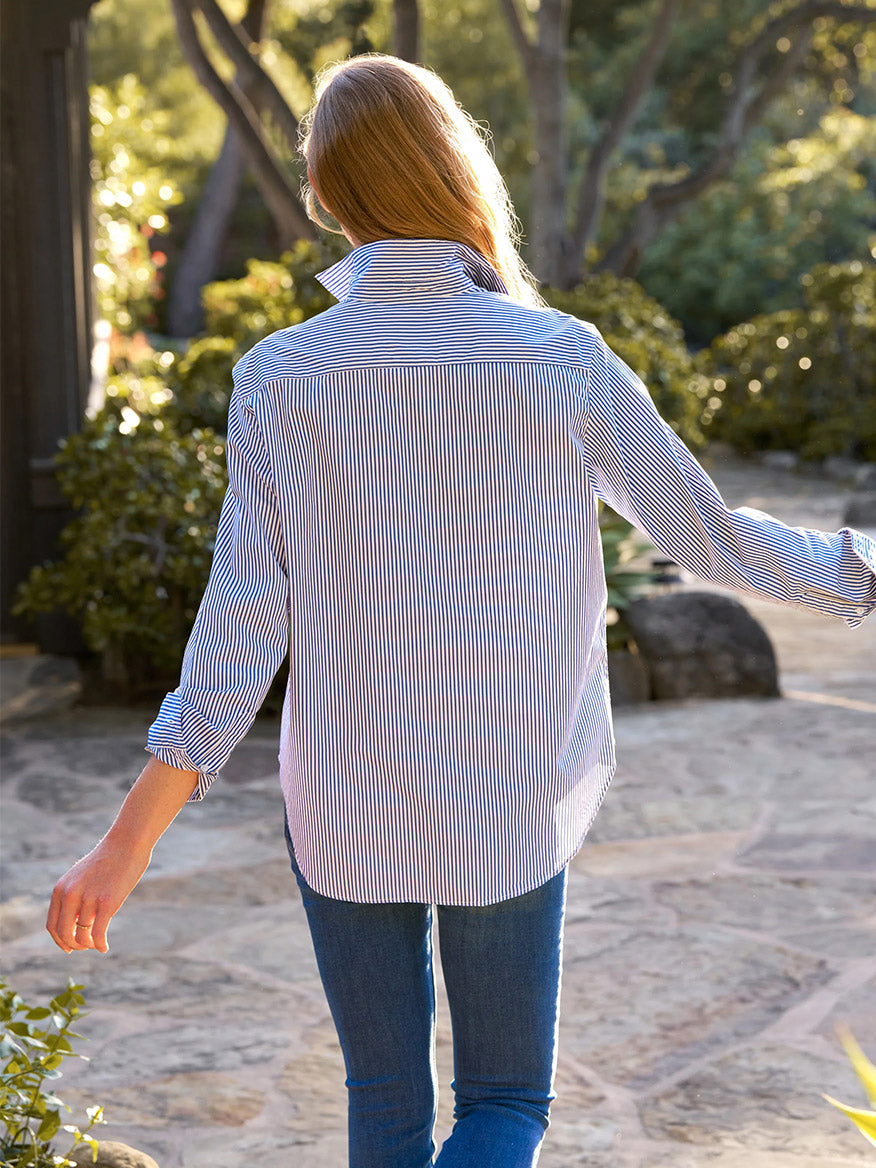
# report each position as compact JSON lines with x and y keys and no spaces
{"x":865,"y":1121}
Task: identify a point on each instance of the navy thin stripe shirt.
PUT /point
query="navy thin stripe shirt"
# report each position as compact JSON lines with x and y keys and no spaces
{"x":412,"y":516}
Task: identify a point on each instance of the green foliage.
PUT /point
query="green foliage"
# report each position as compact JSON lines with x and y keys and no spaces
{"x":731,"y":255}
{"x":310,"y":34}
{"x":34,"y":1043}
{"x":644,"y":335}
{"x":137,"y":555}
{"x":802,"y":379}
{"x":864,"y":1120}
{"x":131,"y":193}
{"x":201,"y":383}
{"x":239,"y":313}
{"x":139,"y":38}
{"x":787,"y":206}
{"x":270,"y":296}
{"x":621,"y":543}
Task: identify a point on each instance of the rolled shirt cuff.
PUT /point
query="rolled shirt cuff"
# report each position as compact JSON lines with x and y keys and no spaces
{"x":179,"y":759}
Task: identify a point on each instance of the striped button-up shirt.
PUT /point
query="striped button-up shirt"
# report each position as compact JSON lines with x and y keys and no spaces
{"x":412,"y":515}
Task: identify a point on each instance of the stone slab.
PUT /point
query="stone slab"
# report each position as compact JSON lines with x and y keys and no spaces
{"x":720,"y":924}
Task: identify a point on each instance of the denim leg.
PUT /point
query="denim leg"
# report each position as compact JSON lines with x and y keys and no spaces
{"x":502,"y":968}
{"x":375,"y":961}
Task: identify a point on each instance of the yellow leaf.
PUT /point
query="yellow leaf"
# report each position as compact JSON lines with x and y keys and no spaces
{"x":865,"y":1121}
{"x":864,"y":1069}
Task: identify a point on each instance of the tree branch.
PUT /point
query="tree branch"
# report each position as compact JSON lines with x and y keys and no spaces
{"x":199,"y":259}
{"x":520,"y":36}
{"x":641,"y":78}
{"x":745,"y":107}
{"x":237,"y":44}
{"x":282,"y":200}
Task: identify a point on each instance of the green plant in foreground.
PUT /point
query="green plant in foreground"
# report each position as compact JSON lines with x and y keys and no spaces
{"x":865,"y":1121}
{"x":621,"y":543}
{"x":34,"y":1042}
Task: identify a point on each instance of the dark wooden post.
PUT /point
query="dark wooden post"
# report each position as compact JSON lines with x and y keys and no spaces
{"x":46,"y":308}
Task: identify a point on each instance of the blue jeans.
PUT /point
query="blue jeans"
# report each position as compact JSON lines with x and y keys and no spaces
{"x":501,"y":968}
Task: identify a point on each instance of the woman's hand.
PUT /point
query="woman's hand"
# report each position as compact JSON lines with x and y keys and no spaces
{"x":88,"y":896}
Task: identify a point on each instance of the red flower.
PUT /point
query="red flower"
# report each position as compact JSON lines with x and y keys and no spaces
{"x":159,"y":259}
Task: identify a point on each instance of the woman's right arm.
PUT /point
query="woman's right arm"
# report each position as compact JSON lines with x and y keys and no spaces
{"x":238,"y":641}
{"x":88,"y":896}
{"x":642,"y":469}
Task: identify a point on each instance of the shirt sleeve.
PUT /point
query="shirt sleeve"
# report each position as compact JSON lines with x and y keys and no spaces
{"x":642,"y":469}
{"x":241,"y":632}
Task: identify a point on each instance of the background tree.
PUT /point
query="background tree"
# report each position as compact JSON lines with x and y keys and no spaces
{"x":763,"y":47}
{"x":634,"y":97}
{"x":199,"y":258}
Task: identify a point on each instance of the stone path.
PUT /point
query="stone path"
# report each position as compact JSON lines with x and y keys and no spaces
{"x":722,"y":920}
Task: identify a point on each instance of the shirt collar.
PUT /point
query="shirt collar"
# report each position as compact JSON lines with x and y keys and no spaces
{"x":404,"y":269}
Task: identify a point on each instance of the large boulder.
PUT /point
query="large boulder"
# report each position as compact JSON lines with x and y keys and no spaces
{"x":111,"y":1154}
{"x":861,"y":510}
{"x":702,"y":644}
{"x":628,"y":680}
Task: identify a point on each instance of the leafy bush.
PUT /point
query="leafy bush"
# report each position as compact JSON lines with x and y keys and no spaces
{"x":132,"y":193}
{"x":193,"y":389}
{"x":789,"y":204}
{"x":138,"y":553}
{"x":644,"y":335}
{"x":802,"y":379}
{"x":34,"y":1043}
{"x":271,"y":296}
{"x":201,"y":383}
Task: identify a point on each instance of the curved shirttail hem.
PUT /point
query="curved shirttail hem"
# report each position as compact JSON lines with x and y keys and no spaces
{"x":527,"y":886}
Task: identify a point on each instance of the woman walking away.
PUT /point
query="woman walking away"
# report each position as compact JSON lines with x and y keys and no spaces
{"x":412,"y":516}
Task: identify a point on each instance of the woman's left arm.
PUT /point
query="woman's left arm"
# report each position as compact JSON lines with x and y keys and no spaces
{"x":645,"y":472}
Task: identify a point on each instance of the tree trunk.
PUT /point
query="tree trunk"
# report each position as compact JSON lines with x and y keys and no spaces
{"x":407,"y":29}
{"x":546,"y":72}
{"x":591,"y":196}
{"x":199,"y":259}
{"x":548,"y":236}
{"x":279,"y":194}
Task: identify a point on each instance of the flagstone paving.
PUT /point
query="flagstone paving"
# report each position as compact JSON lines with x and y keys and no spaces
{"x":721,"y":921}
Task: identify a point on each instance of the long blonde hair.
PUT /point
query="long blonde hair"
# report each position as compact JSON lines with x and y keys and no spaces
{"x":392,"y":154}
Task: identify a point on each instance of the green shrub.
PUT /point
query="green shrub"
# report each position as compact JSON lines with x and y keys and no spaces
{"x":271,"y":295}
{"x":194,"y":389}
{"x":802,"y":379}
{"x":145,"y":393}
{"x":644,"y":335}
{"x":132,"y":190}
{"x":138,"y":553}
{"x":201,"y":383}
{"x":34,"y":1043}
